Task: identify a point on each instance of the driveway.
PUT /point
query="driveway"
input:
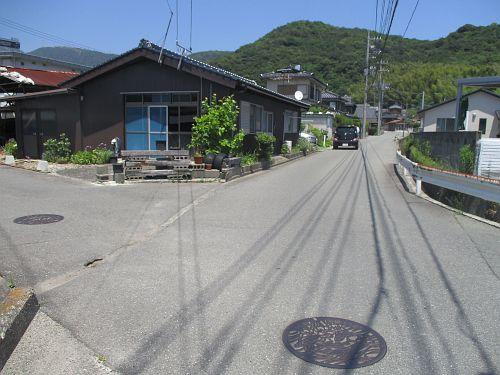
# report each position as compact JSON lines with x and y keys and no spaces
{"x":203,"y":278}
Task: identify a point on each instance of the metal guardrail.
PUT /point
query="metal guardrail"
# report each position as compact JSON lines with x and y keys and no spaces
{"x":480,"y":187}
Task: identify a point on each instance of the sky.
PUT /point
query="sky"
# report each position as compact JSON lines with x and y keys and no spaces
{"x":117,"y":26}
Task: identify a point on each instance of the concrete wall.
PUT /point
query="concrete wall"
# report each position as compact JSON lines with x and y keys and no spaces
{"x":322,"y":122}
{"x":446,"y":145}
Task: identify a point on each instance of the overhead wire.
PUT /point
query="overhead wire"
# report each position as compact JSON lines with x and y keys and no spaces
{"x":41,"y":34}
{"x":411,"y":18}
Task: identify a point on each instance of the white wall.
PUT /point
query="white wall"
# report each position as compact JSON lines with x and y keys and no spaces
{"x":443,"y":111}
{"x":481,"y":104}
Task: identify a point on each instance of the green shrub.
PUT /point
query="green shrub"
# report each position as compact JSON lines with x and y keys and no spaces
{"x":57,"y":150}
{"x":248,"y":159}
{"x":10,"y":147}
{"x":467,"y":158}
{"x":99,"y":155}
{"x":102,"y":155}
{"x":419,"y":157}
{"x":304,"y":145}
{"x":284,"y":149}
{"x":318,"y":133}
{"x":215,"y":130}
{"x":266,"y":145}
{"x":329,"y":142}
{"x":405,"y":145}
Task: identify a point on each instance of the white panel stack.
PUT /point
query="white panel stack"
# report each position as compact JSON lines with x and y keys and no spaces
{"x":488,"y":158}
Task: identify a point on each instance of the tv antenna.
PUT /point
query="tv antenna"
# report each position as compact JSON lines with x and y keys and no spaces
{"x":182,"y":49}
{"x":166,"y":33}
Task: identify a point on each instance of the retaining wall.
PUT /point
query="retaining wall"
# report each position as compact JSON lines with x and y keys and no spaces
{"x":446,"y":145}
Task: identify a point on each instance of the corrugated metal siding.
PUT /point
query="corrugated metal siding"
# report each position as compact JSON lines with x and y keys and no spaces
{"x":488,"y":158}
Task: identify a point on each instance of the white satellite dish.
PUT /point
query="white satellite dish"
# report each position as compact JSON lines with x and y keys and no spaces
{"x":299,"y":95}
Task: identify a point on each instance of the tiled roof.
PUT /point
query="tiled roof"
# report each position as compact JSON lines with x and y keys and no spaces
{"x":145,"y":44}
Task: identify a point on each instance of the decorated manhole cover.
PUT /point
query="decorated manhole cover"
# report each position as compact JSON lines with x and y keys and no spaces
{"x":334,"y":342}
{"x":38,"y":219}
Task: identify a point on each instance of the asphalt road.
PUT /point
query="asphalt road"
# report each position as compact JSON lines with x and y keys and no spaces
{"x":203,"y":278}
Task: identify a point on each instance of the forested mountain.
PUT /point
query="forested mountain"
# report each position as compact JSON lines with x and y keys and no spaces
{"x":209,"y":56}
{"x":74,"y":55}
{"x":336,"y":55}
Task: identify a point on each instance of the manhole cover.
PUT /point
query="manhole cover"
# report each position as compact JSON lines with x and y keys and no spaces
{"x":334,"y":342}
{"x":38,"y":219}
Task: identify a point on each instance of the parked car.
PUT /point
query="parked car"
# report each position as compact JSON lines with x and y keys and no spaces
{"x":311,"y":138}
{"x":345,"y":136}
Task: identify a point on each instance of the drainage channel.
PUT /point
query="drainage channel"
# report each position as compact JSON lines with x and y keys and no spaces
{"x":38,"y":219}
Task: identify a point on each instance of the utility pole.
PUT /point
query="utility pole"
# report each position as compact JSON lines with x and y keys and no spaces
{"x":422,"y":107}
{"x":367,"y":72}
{"x":381,"y":88}
{"x":423,"y":100}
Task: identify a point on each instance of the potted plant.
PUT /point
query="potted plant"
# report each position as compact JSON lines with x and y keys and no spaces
{"x":198,"y":158}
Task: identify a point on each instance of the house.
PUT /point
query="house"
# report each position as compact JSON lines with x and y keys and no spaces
{"x":481,"y":110}
{"x":11,"y":55}
{"x":371,"y":114}
{"x":393,"y":118}
{"x":296,"y":83}
{"x":148,"y":97}
{"x":335,"y":102}
{"x":22,"y":80}
{"x":322,"y":121}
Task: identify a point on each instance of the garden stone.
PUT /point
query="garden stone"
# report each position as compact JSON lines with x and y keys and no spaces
{"x":42,"y":166}
{"x":9,"y":160}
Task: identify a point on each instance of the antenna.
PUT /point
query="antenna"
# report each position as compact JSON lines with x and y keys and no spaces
{"x":166,"y":33}
{"x":180,"y":47}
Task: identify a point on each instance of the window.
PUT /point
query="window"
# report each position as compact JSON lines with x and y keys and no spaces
{"x":268,"y":123}
{"x":154,"y":122}
{"x":287,"y":89}
{"x":482,"y":125}
{"x":251,"y":118}
{"x":445,"y":124}
{"x":291,"y":122}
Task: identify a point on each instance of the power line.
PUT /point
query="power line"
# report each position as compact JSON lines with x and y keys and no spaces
{"x":390,"y":25}
{"x":40,"y":34}
{"x":412,"y":14}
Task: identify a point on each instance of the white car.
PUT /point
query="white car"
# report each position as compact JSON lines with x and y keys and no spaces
{"x":311,"y":138}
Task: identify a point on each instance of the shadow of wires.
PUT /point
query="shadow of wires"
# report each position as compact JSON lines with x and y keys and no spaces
{"x":463,"y":322}
{"x":164,"y":335}
{"x":231,"y":337}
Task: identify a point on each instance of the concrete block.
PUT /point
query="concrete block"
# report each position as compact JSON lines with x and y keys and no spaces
{"x":16,"y":313}
{"x":9,"y":160}
{"x":101,"y":169}
{"x":119,"y":178}
{"x":212,"y":173}
{"x":42,"y":166}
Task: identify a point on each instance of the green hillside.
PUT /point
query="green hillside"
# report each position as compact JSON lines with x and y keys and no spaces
{"x":209,"y":56}
{"x":74,"y":55}
{"x":336,"y":55}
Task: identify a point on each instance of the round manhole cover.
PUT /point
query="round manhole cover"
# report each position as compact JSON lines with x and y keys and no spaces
{"x":334,"y":342}
{"x":38,"y":219}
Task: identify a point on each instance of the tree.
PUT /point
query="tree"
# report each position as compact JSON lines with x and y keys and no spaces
{"x":215,"y":130}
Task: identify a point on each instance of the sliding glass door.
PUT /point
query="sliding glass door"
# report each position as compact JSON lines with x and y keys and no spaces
{"x":146,"y":127}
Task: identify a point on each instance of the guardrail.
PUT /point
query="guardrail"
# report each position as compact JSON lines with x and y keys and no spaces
{"x":477,"y":186}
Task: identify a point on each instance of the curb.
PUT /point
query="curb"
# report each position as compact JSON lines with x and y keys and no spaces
{"x":410,"y":186}
{"x":16,"y":313}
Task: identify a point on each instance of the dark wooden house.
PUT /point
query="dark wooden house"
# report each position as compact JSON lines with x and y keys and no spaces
{"x":149,"y":101}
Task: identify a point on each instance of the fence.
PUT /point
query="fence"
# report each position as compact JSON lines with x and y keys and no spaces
{"x":480,"y":187}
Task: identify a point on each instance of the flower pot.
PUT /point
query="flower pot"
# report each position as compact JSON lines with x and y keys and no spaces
{"x":208,"y":166}
{"x":198,"y":159}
